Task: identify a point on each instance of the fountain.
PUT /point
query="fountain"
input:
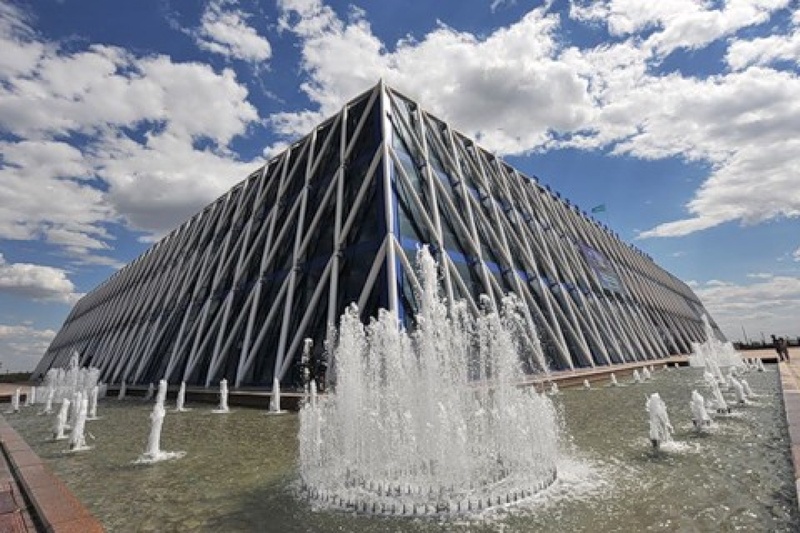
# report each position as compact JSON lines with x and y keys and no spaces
{"x":153,"y":454}
{"x":738,"y":390}
{"x":223,"y":398}
{"x":149,"y":394}
{"x":77,"y":439}
{"x":700,"y":416}
{"x":586,"y":384}
{"x":61,"y":421}
{"x":660,"y":427}
{"x":181,"y":399}
{"x":275,"y":400}
{"x":613,"y":380}
{"x":719,"y":401}
{"x":14,"y":402}
{"x":429,"y":421}
{"x":714,"y":354}
{"x":30,"y":398}
{"x":760,"y":365}
{"x":746,"y":386}
{"x":646,"y":375}
{"x":636,"y":378}
{"x":48,"y":403}
{"x":92,"y":415}
{"x":122,"y":390}
{"x":553,"y":388}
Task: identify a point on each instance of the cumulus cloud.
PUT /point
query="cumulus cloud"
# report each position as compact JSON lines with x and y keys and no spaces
{"x":147,"y":157}
{"x":796,"y":255}
{"x":521,"y":89}
{"x":479,"y":84}
{"x":224,"y":30}
{"x":769,"y":305}
{"x":22,"y":346}
{"x":36,"y":282}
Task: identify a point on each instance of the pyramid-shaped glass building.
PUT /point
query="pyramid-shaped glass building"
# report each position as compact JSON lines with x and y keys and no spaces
{"x":337,"y":218}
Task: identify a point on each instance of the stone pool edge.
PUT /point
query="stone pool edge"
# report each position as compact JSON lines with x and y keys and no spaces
{"x":790,"y":388}
{"x":57,"y":509}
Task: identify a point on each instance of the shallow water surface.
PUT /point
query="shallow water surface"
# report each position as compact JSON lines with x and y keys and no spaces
{"x":239,"y":470}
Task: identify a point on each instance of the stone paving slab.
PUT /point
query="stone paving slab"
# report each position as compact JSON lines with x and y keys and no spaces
{"x":790,"y":385}
{"x":53,"y":504}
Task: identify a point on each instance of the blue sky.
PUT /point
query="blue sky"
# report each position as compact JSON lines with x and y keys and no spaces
{"x":118,"y":120}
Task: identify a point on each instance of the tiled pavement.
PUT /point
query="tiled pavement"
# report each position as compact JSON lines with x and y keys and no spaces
{"x":790,"y":382}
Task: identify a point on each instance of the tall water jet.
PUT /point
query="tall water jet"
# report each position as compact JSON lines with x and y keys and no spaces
{"x":719,"y":401}
{"x":122,"y":390}
{"x":738,"y":390}
{"x":77,"y":439}
{"x":428,"y":420}
{"x":646,"y":375}
{"x":700,"y":416}
{"x":586,"y":384}
{"x":660,"y":427}
{"x":223,"y":397}
{"x":275,"y":399}
{"x":760,"y":365}
{"x":15,"y":402}
{"x":636,"y":378}
{"x":92,"y":415}
{"x":30,"y":398}
{"x":181,"y":399}
{"x":48,"y":402}
{"x":61,"y":421}
{"x":554,"y":388}
{"x":153,"y":453}
{"x":149,"y":394}
{"x":613,"y":380}
{"x":746,"y":386}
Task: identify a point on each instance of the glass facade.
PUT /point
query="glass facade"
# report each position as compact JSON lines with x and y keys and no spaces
{"x":336,"y":219}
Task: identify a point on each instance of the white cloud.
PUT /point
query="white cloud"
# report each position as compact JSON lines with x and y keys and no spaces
{"x":771,"y":305}
{"x":224,"y":30}
{"x":676,"y":24}
{"x":479,"y":84}
{"x":796,"y":255}
{"x":519,"y":89}
{"x":156,"y":142}
{"x":22,"y":346}
{"x":760,"y":275}
{"x":37,"y":282}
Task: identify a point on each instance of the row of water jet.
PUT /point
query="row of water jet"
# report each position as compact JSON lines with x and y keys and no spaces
{"x":428,"y":421}
{"x":714,"y":354}
{"x":62,"y":383}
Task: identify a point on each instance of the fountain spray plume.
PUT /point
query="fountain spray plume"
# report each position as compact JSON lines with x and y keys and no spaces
{"x":77,"y":439}
{"x":660,"y":427}
{"x":95,"y":392}
{"x":738,"y":390}
{"x":61,"y":421}
{"x":636,"y":378}
{"x":223,"y":398}
{"x":122,"y":390}
{"x":719,"y":401}
{"x":586,"y":384}
{"x":15,"y":402}
{"x":153,"y":453}
{"x":646,"y":375}
{"x":430,"y":420}
{"x":181,"y":399}
{"x":613,"y":380}
{"x":149,"y":394}
{"x":48,"y":403}
{"x":275,"y":399}
{"x":700,"y":416}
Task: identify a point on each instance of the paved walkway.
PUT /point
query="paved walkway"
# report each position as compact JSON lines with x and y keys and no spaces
{"x":790,"y":383}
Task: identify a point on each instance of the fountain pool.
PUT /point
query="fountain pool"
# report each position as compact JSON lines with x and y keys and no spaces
{"x":241,"y":471}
